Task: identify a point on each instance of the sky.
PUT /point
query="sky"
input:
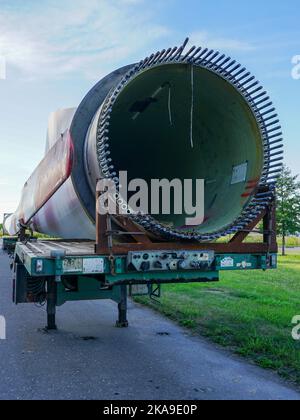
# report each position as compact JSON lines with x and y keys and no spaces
{"x":52,"y":52}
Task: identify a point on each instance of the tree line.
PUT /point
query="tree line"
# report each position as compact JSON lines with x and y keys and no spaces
{"x":288,"y":206}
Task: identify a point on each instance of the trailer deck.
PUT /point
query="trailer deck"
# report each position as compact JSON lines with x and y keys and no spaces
{"x":57,"y":258}
{"x":57,"y":271}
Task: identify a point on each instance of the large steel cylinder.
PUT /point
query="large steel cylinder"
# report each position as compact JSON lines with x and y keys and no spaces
{"x":182,"y":116}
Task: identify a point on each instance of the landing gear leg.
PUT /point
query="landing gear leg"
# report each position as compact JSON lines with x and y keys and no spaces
{"x":51,"y":304}
{"x":122,"y":307}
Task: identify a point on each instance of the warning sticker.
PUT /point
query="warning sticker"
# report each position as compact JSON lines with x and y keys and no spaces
{"x":244,"y":264}
{"x":72,"y":265}
{"x":227,"y":262}
{"x":93,"y":265}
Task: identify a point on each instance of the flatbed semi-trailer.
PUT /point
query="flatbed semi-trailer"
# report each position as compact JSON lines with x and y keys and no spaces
{"x":57,"y":272}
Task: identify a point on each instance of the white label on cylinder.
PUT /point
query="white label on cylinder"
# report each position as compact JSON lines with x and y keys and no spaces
{"x":239,"y":173}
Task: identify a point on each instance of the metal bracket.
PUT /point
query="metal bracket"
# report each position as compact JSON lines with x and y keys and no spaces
{"x":155,"y":293}
{"x":58,"y":255}
{"x":141,"y":240}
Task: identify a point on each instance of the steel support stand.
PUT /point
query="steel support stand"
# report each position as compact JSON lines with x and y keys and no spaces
{"x":51,"y":304}
{"x":122,"y":307}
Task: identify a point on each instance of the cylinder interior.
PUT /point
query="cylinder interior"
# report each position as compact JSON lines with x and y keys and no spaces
{"x":180,"y":121}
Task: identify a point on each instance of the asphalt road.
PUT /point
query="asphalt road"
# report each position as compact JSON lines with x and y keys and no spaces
{"x":90,"y":359}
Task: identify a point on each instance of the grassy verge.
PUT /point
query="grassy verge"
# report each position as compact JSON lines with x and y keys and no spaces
{"x":35,"y":235}
{"x":291,"y":241}
{"x":248,"y":312}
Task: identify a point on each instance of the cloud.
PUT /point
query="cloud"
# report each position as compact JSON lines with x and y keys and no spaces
{"x":203,"y":38}
{"x":76,"y":36}
{"x":54,"y":39}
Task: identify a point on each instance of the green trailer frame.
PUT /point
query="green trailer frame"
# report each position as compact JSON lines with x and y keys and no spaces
{"x":71,"y":271}
{"x":58,"y":271}
{"x":9,"y":243}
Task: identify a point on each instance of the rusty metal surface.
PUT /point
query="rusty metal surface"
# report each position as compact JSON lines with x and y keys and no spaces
{"x":105,"y":244}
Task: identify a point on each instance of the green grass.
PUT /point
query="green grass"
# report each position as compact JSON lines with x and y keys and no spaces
{"x":291,"y":241}
{"x":248,"y":312}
